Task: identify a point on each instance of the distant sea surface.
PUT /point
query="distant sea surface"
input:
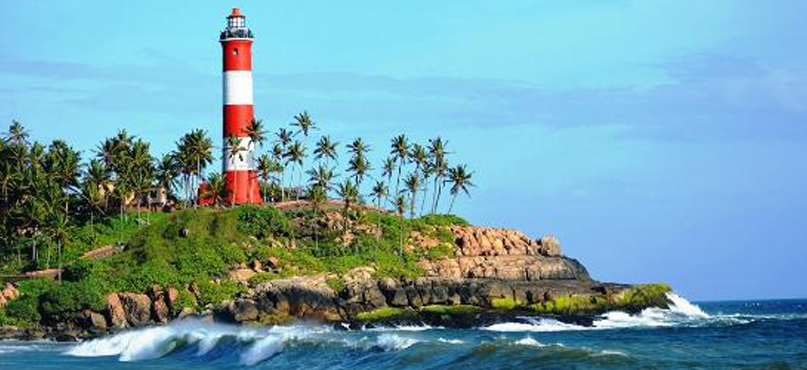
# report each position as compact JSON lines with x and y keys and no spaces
{"x":769,"y":334}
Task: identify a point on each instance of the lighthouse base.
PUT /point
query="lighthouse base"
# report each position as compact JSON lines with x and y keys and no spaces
{"x":244,"y":186}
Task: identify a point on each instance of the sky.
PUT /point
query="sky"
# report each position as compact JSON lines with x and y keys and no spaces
{"x":659,"y":140}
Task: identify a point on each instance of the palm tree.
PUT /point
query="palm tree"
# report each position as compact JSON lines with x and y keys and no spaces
{"x":326,"y":149}
{"x":358,"y":147}
{"x":321,"y":177}
{"x":200,"y":150}
{"x":460,"y":180}
{"x":216,"y":189}
{"x":439,"y":166}
{"x":359,"y":166}
{"x":349,"y":194}
{"x":17,"y":134}
{"x":400,"y":208}
{"x":379,"y":192}
{"x":400,"y":151}
{"x":142,"y":173}
{"x":303,"y":123}
{"x":317,"y":197}
{"x":265,"y":167}
{"x":282,"y":142}
{"x":296,"y":155}
{"x":421,"y":160}
{"x":412,"y":183}
{"x":256,"y":134}
{"x":234,"y":150}
{"x":167,"y":173}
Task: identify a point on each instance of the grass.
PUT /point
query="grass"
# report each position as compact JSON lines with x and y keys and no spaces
{"x":449,"y":310}
{"x":380,"y":314}
{"x":197,"y":247}
{"x":505,"y":303}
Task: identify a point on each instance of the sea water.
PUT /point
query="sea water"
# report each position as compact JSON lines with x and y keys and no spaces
{"x":715,"y":335}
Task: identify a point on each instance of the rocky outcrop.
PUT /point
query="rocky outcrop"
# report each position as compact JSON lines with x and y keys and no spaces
{"x":115,"y":311}
{"x":489,"y":253}
{"x":8,"y":294}
{"x":138,"y":308}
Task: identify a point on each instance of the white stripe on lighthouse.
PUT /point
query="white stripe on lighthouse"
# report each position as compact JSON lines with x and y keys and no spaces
{"x":238,"y":88}
{"x":243,"y":161}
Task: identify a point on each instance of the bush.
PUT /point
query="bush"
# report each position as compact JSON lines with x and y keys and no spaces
{"x":440,"y":251}
{"x":23,"y":310}
{"x":185,"y":299}
{"x":263,"y":222}
{"x":336,"y":284}
{"x":215,"y":294}
{"x":69,"y":298}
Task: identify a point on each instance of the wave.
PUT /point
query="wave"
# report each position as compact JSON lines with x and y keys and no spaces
{"x":679,"y":312}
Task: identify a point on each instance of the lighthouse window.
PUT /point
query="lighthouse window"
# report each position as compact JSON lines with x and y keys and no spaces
{"x":235,"y":51}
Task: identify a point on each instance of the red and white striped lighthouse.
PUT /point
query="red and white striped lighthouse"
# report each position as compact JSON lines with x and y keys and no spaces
{"x":239,"y":169}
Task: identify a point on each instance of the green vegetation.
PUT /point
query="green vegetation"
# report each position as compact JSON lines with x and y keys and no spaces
{"x":643,"y":296}
{"x":386,"y":313}
{"x":336,"y":284}
{"x":630,"y":300}
{"x":505,"y":303}
{"x":451,"y":310}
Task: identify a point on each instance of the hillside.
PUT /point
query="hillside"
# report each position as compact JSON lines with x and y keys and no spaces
{"x":266,"y":265}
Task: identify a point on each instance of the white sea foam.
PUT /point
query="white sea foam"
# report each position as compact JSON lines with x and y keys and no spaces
{"x":450,"y":341}
{"x":262,"y":349}
{"x":528,"y":341}
{"x":680,"y":311}
{"x":393,"y":342}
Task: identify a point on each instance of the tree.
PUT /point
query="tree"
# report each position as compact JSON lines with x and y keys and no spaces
{"x":200,"y":152}
{"x":379,"y":192}
{"x":256,"y":134}
{"x":265,"y":167}
{"x":359,"y":166}
{"x":349,"y":194}
{"x":400,"y":151}
{"x":216,"y":189}
{"x":317,"y":197}
{"x":400,"y":208}
{"x":17,"y":134}
{"x":296,"y":155}
{"x":167,"y":172}
{"x":321,"y":177}
{"x":460,"y":180}
{"x":234,"y":150}
{"x":439,"y":166}
{"x":412,"y":184}
{"x":141,"y":175}
{"x":283,"y":139}
{"x":303,"y":123}
{"x":326,"y":149}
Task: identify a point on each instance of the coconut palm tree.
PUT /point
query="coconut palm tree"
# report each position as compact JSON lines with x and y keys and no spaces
{"x":358,"y":147}
{"x":265,"y":170}
{"x":439,"y":166}
{"x":257,"y":135}
{"x":167,"y":172}
{"x":142,"y":172}
{"x":17,"y":134}
{"x":321,"y":177}
{"x":317,"y":197}
{"x":282,"y":142}
{"x":412,"y":184}
{"x":399,"y":151}
{"x":359,"y":166}
{"x":234,"y":150}
{"x":400,"y":208}
{"x":460,"y":180}
{"x":379,"y":192}
{"x":200,"y":150}
{"x":216,"y":189}
{"x":349,"y":194}
{"x":304,"y":123}
{"x":326,"y":149}
{"x":296,"y":155}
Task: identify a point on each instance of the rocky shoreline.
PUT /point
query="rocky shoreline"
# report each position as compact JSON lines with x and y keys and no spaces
{"x":492,"y":275}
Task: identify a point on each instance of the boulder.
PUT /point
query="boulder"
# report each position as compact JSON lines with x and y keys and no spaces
{"x":242,"y":274}
{"x":95,"y":321}
{"x":245,"y":310}
{"x":137,"y":307}
{"x":115,"y":310}
{"x":550,"y":246}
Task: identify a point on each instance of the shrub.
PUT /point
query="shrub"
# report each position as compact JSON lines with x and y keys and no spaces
{"x":505,"y":303}
{"x":70,"y":298}
{"x":263,"y":222}
{"x":215,"y":294}
{"x":440,"y":251}
{"x":185,"y":299}
{"x":23,"y":310}
{"x":336,"y":284}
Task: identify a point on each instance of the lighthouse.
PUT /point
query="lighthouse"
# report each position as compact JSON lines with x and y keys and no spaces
{"x":239,"y":167}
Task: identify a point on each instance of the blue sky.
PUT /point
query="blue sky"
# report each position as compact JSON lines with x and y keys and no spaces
{"x":661,"y":140}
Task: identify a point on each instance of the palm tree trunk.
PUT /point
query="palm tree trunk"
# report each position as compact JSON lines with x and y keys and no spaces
{"x":398,"y":180}
{"x":451,"y":205}
{"x":59,"y":246}
{"x":423,"y":200}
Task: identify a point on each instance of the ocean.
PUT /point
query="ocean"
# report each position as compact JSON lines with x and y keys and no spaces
{"x":770,"y":334}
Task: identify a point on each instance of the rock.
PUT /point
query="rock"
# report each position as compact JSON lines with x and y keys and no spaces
{"x":550,"y":246}
{"x":172,"y":295}
{"x":162,"y":313}
{"x":241,"y":274}
{"x":137,"y":307}
{"x":257,"y":266}
{"x":115,"y":310}
{"x":273,"y":262}
{"x":10,"y":292}
{"x":245,"y":310}
{"x":95,"y":320}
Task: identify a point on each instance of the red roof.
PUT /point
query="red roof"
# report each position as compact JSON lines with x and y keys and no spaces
{"x":236,"y":13}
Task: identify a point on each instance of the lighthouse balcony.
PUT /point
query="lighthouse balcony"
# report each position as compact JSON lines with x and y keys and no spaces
{"x":238,"y":33}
